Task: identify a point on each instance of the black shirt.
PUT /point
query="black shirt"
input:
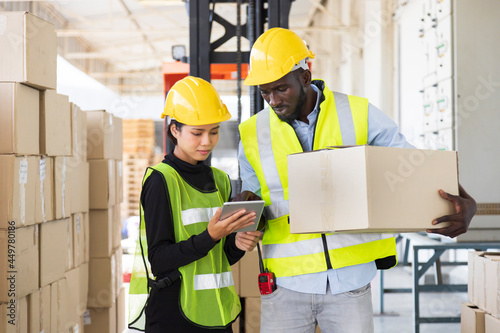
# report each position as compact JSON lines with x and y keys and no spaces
{"x":164,"y":253}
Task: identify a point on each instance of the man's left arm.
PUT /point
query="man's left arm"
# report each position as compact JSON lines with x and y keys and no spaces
{"x":382,"y":131}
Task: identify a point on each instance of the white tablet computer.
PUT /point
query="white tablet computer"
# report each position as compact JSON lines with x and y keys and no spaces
{"x":257,"y":206}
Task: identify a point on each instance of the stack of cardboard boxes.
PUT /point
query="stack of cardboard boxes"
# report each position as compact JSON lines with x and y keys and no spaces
{"x":44,"y":192}
{"x":106,"y":295}
{"x":138,"y":152}
{"x":482,"y":313}
{"x":43,"y":212}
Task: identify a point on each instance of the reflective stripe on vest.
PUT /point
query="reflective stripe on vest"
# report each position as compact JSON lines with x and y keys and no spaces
{"x":342,"y":120}
{"x":196,"y":215}
{"x":213,"y":281}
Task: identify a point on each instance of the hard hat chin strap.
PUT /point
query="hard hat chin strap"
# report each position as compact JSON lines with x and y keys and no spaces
{"x":302,"y":64}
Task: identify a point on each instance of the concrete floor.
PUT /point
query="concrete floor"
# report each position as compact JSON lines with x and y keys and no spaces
{"x":398,"y":308}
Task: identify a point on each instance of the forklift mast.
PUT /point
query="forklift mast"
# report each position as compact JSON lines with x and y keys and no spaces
{"x":203,"y":53}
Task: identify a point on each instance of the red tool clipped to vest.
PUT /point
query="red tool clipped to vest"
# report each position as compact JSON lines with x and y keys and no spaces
{"x":267,"y":283}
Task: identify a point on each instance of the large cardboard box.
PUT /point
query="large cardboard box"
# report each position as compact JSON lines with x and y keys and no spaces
{"x":29,"y":50}
{"x":492,"y":283}
{"x":19,"y":262}
{"x":249,"y":272}
{"x":19,"y":110}
{"x":58,"y":305}
{"x":62,"y":188}
{"x":479,"y":279}
{"x":101,"y":233}
{"x":235,"y":269}
{"x":491,"y":324}
{"x":44,"y":190}
{"x":117,"y":139}
{"x":14,"y":316}
{"x":79,"y":226}
{"x":472,"y":319}
{"x":251,"y":323}
{"x":470,"y":278}
{"x":34,"y":320}
{"x":78,"y":173}
{"x":99,"y":135}
{"x":84,"y":287}
{"x":118,"y":254}
{"x":102,"y":184}
{"x":120,"y":311}
{"x":86,"y":230}
{"x":369,"y":189}
{"x":117,"y":227}
{"x":119,"y":181}
{"x":79,"y":132}
{"x":54,"y":251}
{"x":73,"y":302}
{"x":69,"y":242}
{"x":45,"y":303}
{"x":102,"y":280}
{"x":55,"y":124}
{"x":101,"y":320}
{"x":236,"y":326}
{"x":17,"y":190}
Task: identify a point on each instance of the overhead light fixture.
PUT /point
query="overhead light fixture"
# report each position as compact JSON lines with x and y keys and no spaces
{"x":178,"y":52}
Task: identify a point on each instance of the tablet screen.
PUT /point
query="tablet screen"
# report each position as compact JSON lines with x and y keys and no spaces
{"x":257,"y":206}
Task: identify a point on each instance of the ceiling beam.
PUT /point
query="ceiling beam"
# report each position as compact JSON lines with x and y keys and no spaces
{"x":137,"y":86}
{"x":116,"y":56}
{"x":81,"y":32}
{"x":110,"y":75}
{"x":138,"y":26}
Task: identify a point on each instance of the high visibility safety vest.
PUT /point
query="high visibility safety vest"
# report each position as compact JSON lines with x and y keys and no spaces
{"x":342,"y":120}
{"x":207,"y":295}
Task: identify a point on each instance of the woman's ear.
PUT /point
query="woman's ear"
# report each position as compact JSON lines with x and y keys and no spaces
{"x":174,"y":130}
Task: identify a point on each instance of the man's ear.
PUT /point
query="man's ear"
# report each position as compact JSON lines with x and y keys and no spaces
{"x":306,"y":78}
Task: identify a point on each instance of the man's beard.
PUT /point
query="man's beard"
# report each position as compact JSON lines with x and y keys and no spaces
{"x":298,"y":108}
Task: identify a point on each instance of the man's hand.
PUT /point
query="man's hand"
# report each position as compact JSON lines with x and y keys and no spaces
{"x":246,"y":196}
{"x":465,"y":208}
{"x":247,"y":241}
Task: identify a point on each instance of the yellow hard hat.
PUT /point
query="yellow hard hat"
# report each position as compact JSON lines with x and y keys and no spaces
{"x":274,"y":54}
{"x":194,"y":101}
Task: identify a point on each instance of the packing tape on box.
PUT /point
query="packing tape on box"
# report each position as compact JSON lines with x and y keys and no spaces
{"x":86,"y":318}
{"x":23,"y":180}
{"x":42,"y":170}
{"x":63,"y":185}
